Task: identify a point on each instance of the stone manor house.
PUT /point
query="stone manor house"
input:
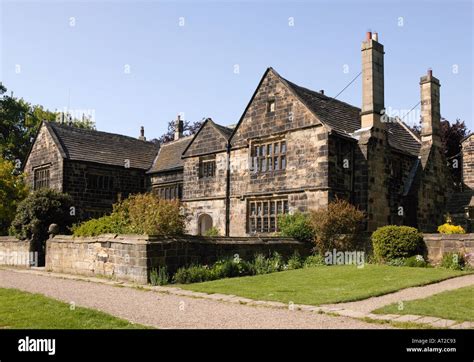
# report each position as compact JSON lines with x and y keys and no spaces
{"x":292,"y":149}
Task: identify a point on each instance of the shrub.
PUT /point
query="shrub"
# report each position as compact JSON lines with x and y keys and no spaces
{"x":159,"y":276}
{"x":109,"y":224}
{"x":337,"y":227}
{"x":213,"y":231}
{"x":396,"y":262}
{"x":448,"y":228}
{"x":314,"y":260}
{"x":296,"y":226}
{"x":416,"y":261}
{"x":148,"y":214}
{"x":40,"y":209}
{"x":263,"y":265}
{"x":193,"y":274}
{"x":453,"y":260}
{"x":139,"y":214}
{"x":390,"y":242}
{"x":294,"y":262}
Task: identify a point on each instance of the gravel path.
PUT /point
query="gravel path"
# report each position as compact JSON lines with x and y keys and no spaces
{"x":171,"y":311}
{"x":368,"y":305}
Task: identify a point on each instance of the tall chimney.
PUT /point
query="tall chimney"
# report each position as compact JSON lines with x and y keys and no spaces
{"x":372,"y":81}
{"x":142,"y":134}
{"x":178,"y":130}
{"x":430,"y":109}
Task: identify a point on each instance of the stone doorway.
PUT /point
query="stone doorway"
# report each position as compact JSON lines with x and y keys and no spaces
{"x":204,"y":223}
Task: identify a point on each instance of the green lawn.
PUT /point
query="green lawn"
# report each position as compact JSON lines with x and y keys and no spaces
{"x":455,"y":304}
{"x":34,"y":311}
{"x":325,"y":284}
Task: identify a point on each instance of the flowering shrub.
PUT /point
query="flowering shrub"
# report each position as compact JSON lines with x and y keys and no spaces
{"x":449,"y":228}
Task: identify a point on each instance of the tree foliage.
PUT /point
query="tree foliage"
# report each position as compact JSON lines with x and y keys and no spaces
{"x":188,"y":129}
{"x":12,"y":191}
{"x":19,"y":122}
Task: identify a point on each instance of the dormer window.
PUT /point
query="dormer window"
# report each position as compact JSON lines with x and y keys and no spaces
{"x":271,"y":106}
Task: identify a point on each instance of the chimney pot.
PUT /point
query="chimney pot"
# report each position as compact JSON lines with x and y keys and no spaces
{"x":369,"y":35}
{"x":430,"y":72}
{"x":179,"y":128}
{"x":142,"y":134}
{"x":321,"y":91}
{"x":375,"y":37}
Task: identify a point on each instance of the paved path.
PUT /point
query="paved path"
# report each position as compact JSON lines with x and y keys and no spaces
{"x":368,"y":305}
{"x":168,"y":310}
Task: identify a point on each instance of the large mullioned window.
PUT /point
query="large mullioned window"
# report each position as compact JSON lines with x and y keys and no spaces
{"x":263,"y":214}
{"x":268,"y":157}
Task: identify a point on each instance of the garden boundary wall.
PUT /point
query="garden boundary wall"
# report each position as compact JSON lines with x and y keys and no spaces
{"x":440,"y":244}
{"x":133,"y":257}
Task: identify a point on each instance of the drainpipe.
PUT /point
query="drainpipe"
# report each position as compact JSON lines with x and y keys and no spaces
{"x":227,"y":192}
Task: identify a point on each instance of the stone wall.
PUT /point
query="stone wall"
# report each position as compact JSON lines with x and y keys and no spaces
{"x":91,"y":201}
{"x":16,"y":252}
{"x":132,"y":257}
{"x":439,"y":244}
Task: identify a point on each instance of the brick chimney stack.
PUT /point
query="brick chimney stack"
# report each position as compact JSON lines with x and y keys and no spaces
{"x":372,"y":81}
{"x":179,"y":128}
{"x":142,"y":134}
{"x":430,"y":109}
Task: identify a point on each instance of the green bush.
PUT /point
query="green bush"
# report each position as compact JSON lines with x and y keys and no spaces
{"x":391,"y":242}
{"x":264,"y":265}
{"x":192,"y":274}
{"x":416,"y":261}
{"x":453,"y":260}
{"x":40,"y":209}
{"x":213,"y":231}
{"x":109,"y":224}
{"x":294,"y":262}
{"x":139,"y":214}
{"x":296,"y":226}
{"x":337,"y":227}
{"x":159,"y":276}
{"x":314,"y":260}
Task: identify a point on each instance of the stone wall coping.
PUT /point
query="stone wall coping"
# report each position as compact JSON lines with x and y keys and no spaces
{"x":150,"y":239}
{"x":459,"y":237}
{"x":6,"y":239}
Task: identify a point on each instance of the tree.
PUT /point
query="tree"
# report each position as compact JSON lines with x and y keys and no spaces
{"x":12,"y":190}
{"x":188,"y":129}
{"x":19,"y":122}
{"x":36,"y":213}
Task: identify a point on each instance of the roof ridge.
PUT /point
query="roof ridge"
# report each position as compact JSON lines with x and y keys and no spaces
{"x":91,"y":131}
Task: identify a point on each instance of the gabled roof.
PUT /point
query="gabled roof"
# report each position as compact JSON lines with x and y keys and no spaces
{"x":169,"y":156}
{"x":342,"y":118}
{"x":79,"y":144}
{"x":224,"y":131}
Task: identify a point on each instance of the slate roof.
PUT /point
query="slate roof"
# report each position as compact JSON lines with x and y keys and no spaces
{"x":169,"y":156}
{"x":101,"y":147}
{"x":344,"y":118}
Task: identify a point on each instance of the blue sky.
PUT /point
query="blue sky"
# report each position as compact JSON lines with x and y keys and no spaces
{"x":76,"y":55}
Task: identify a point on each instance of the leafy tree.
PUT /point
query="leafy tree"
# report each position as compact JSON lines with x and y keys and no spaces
{"x":188,"y":129}
{"x":36,"y":213}
{"x":12,"y":191}
{"x":19,"y":122}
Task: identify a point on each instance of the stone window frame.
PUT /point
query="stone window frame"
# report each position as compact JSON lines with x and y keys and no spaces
{"x":271,"y":105}
{"x":263,"y":213}
{"x":207,"y":167}
{"x":171,"y":191}
{"x":263,"y":155}
{"x":42,"y":177}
